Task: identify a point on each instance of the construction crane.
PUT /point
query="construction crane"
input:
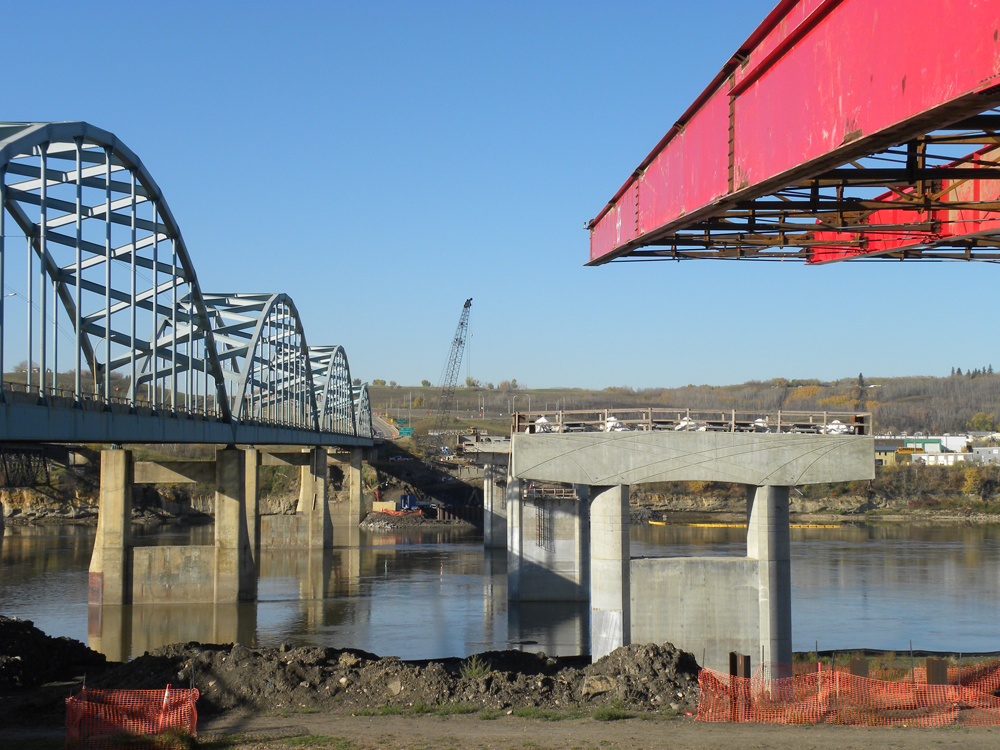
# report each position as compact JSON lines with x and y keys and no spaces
{"x":449,"y":380}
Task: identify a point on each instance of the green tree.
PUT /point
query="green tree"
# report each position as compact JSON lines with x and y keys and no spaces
{"x":378,"y":381}
{"x":357,"y":381}
{"x":425,"y":383}
{"x":471,"y":382}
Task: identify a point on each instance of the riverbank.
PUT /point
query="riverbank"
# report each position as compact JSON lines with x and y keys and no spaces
{"x":640,"y":696}
{"x":907,"y":494}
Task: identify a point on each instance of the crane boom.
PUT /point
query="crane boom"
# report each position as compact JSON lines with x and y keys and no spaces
{"x":449,"y":380}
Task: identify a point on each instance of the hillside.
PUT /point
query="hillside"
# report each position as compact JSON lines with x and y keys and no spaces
{"x":909,"y":404}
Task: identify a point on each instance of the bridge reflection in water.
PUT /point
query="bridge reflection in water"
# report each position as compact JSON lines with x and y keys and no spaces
{"x":431,"y":595}
{"x":416,"y":594}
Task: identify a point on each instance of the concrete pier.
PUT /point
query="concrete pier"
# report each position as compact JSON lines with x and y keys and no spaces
{"x":353,"y":512}
{"x":515,"y":539}
{"x":312,"y":526}
{"x":226,"y":570}
{"x":550,"y":531}
{"x":494,"y":505}
{"x":313,"y":503}
{"x":768,"y":539}
{"x":709,"y":606}
{"x":610,"y":579}
{"x":111,"y":561}
{"x":235,"y":576}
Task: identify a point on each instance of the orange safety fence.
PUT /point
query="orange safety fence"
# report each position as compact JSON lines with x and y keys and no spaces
{"x":109,"y":719}
{"x":839,"y":697}
{"x":984,"y":677}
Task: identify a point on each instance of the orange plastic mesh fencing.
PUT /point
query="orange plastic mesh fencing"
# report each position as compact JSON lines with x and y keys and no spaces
{"x":111,"y":719}
{"x":984,"y":677}
{"x":838,"y":697}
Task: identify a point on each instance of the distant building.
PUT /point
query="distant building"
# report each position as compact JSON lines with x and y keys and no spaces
{"x":939,"y":443}
{"x":945,"y":459}
{"x":989,"y":455}
{"x":885,"y":453}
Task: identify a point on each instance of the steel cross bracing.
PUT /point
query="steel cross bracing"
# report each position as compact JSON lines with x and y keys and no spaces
{"x":105,"y":334}
{"x":835,"y":132}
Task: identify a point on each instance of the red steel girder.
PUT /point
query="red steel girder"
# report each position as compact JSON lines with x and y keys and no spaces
{"x":830,"y":110}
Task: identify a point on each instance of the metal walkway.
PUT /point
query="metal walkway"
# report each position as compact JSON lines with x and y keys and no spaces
{"x":108,"y":336}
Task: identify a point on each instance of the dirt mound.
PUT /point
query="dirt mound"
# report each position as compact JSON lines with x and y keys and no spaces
{"x":28,"y":657}
{"x":233,"y":677}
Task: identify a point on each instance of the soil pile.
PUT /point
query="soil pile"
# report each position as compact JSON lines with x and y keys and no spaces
{"x":29,"y":658}
{"x":640,"y":677}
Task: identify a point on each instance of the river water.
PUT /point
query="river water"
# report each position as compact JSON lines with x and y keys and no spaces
{"x":422,"y":595}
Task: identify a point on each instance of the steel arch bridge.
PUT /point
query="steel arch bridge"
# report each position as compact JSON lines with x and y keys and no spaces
{"x":97,"y":281}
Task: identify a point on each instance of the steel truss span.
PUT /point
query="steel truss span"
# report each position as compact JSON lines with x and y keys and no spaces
{"x":836,"y":132}
{"x":105,"y":334}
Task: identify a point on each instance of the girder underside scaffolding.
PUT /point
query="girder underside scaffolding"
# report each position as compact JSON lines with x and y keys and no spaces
{"x":837,"y":131}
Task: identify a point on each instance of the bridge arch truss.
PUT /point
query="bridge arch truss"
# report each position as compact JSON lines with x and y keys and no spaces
{"x":105,"y":334}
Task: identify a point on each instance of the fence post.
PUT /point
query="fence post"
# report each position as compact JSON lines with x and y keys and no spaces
{"x":859,"y":666}
{"x":937,"y":671}
{"x":739,"y":686}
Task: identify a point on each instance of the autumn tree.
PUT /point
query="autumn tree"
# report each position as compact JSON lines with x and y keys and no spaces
{"x":981,"y":422}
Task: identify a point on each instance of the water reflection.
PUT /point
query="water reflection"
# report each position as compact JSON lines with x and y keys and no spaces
{"x":122,"y":632}
{"x":423,"y":595}
{"x":872,"y":586}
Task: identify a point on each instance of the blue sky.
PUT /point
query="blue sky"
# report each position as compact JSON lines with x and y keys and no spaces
{"x":381,"y":162}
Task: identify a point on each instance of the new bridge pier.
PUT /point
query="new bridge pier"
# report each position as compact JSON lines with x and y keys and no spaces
{"x":706,"y":605}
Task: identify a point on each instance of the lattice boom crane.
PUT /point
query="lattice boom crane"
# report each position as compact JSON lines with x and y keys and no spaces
{"x":449,"y":379}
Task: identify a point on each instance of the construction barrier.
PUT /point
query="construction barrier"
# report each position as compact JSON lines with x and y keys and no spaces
{"x":835,"y":696}
{"x":112,"y":719}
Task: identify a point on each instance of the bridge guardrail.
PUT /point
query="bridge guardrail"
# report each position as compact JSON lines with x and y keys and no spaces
{"x":682,"y":419}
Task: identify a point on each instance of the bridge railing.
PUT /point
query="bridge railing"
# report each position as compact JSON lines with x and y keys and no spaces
{"x":680,"y":419}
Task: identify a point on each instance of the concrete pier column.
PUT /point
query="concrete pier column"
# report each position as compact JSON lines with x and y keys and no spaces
{"x":313,"y":500}
{"x":235,"y":576}
{"x":352,"y":475}
{"x":252,"y":495}
{"x":610,"y":596}
{"x":750,"y":490}
{"x":111,"y":562}
{"x":768,"y":531}
{"x":515,"y":538}
{"x":494,"y":510}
